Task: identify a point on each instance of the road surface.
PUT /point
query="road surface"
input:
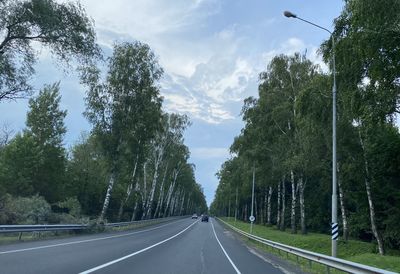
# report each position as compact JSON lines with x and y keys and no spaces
{"x":182,"y":246}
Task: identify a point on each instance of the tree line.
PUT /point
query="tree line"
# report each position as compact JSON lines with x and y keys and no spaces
{"x":287,"y":137}
{"x":132,"y":165}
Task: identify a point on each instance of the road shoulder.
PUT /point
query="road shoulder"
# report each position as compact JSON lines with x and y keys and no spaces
{"x":278,"y":262}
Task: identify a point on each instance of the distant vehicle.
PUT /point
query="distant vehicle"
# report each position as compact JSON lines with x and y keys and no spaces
{"x":204,"y":218}
{"x":194,"y":216}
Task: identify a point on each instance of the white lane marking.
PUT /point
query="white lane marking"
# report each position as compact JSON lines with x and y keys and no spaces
{"x":223,"y":249}
{"x":84,"y":241}
{"x":135,"y":253}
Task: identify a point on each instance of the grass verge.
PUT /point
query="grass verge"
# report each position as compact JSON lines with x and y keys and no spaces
{"x":352,"y":250}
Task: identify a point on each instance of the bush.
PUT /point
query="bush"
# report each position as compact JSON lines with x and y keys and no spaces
{"x":72,"y":206}
{"x":30,"y":210}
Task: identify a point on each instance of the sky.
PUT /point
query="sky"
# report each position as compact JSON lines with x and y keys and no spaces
{"x":212,"y":52}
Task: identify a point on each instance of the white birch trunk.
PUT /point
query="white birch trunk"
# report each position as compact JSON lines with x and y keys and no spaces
{"x":144,"y":193}
{"x":269,"y":206}
{"x":161,"y":196}
{"x":229,"y":205}
{"x":343,"y":211}
{"x":294,"y":196}
{"x":370,"y":201}
{"x":301,"y":186}
{"x":187,"y":205}
{"x":108,"y":196}
{"x":182,"y":203}
{"x":144,"y":189}
{"x":171,"y":189}
{"x":128,"y":190}
{"x":283,"y":205}
{"x":134,"y":213}
{"x":278,"y":214}
{"x":236,"y":204}
{"x":153,"y":184}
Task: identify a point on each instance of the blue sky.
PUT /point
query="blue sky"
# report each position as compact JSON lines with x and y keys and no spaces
{"x":212,"y":52}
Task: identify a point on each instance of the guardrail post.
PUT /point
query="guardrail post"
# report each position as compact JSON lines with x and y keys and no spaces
{"x":20,"y":236}
{"x":310,"y":264}
{"x":328,"y":269}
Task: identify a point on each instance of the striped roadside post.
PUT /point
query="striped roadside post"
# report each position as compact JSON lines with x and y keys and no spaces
{"x":335,"y":231}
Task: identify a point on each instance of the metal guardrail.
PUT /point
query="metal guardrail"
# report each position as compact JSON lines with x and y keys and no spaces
{"x":330,"y":262}
{"x":143,"y":221}
{"x":59,"y":227}
{"x":31,"y":228}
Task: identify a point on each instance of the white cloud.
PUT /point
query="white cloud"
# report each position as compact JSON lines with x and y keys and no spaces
{"x":161,"y":24}
{"x":210,"y":152}
{"x":293,"y":45}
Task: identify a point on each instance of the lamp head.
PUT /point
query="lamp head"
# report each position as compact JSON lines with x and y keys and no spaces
{"x":289,"y":14}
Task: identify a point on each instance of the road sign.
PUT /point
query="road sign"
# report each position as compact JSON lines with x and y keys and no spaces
{"x":252,"y":218}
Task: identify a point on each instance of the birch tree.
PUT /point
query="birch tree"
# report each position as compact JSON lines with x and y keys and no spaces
{"x":62,"y":28}
{"x":125,"y":105}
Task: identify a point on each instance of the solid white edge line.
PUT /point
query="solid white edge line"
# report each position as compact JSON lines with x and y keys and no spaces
{"x":135,"y":253}
{"x":84,"y":241}
{"x":223,"y":249}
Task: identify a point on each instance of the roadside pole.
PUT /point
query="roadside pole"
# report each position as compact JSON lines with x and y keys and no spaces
{"x":252,"y":218}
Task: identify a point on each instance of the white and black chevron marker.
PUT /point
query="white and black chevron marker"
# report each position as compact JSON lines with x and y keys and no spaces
{"x":335,"y":231}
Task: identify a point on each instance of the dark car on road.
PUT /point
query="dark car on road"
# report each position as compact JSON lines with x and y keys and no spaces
{"x":204,"y":218}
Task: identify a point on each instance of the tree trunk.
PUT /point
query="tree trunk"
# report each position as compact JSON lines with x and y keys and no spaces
{"x":302,"y":186}
{"x":128,"y":191}
{"x":171,"y":189}
{"x":278,"y":214}
{"x":369,"y":196}
{"x":121,"y":207}
{"x":108,"y":196}
{"x":144,"y":190}
{"x":183,"y":201}
{"x":187,"y":205}
{"x":161,"y":196}
{"x":157,"y":161}
{"x":229,"y":204}
{"x":283,"y":205}
{"x":265,"y":205}
{"x":134,"y":213}
{"x":255,"y":207}
{"x":343,"y":208}
{"x":236,"y":204}
{"x":294,"y":196}
{"x":269,"y":205}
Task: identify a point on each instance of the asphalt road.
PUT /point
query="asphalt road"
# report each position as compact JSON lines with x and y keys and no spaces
{"x":183,"y":246}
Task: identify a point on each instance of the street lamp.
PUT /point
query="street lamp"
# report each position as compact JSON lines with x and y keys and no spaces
{"x":335,"y":228}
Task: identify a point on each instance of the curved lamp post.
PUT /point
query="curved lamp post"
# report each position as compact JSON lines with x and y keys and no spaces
{"x":335,"y":229}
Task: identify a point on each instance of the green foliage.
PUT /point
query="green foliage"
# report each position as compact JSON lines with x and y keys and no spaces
{"x":72,"y":205}
{"x":87,"y":174}
{"x":18,"y":164}
{"x":63,"y":28}
{"x":29,"y":210}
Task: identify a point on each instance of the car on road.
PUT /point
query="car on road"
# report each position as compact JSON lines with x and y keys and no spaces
{"x":204,"y":218}
{"x":194,"y":216}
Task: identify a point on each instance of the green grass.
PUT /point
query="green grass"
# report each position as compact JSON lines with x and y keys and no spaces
{"x":352,"y":250}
